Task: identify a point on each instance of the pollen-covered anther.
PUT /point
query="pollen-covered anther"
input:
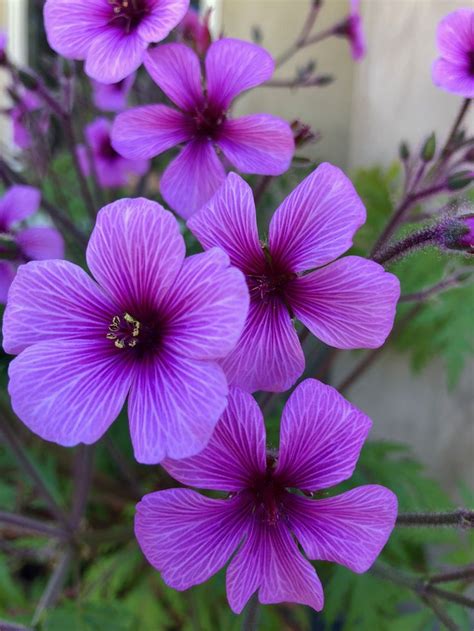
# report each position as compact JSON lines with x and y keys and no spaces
{"x":124,"y":331}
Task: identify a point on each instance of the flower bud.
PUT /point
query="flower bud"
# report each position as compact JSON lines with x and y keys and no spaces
{"x":460,"y":180}
{"x":404,"y":151}
{"x":458,"y":233}
{"x":429,"y":149}
{"x":27,"y":80}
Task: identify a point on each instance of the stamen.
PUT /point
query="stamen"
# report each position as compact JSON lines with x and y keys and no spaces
{"x":124,"y":331}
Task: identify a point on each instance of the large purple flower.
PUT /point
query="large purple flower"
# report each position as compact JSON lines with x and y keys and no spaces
{"x":112,"y":97}
{"x":111,"y":35}
{"x":112,"y":170}
{"x":349,"y":303}
{"x":258,"y":143}
{"x":151,"y":328}
{"x":19,"y":245}
{"x":188,"y":537}
{"x":454,"y":70}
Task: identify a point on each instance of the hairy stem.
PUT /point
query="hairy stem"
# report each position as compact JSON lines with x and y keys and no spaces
{"x":455,"y":280}
{"x":464,"y":574}
{"x":32,"y":525}
{"x":457,"y":123}
{"x":460,"y":518}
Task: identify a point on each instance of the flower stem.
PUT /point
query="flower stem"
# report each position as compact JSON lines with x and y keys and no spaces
{"x":464,"y":574}
{"x":251,"y":615}
{"x":460,"y":117}
{"x":455,"y":280}
{"x":32,"y":525}
{"x":54,"y":586}
{"x":460,"y":518}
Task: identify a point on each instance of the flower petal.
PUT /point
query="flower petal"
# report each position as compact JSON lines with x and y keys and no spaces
{"x":207,"y":307}
{"x":350,"y":529}
{"x":162,"y":18}
{"x":455,"y":36}
{"x":174,"y":405}
{"x":175,"y":68}
{"x":71,"y":29}
{"x":321,"y":435}
{"x":18,"y":203}
{"x":233,"y":66}
{"x":270,"y":561}
{"x":258,"y":143}
{"x":192,"y":178}
{"x":186,"y":536}
{"x":268,"y":355}
{"x":114,"y":54}
{"x":145,"y":132}
{"x":316,"y":222}
{"x":235,"y":453}
{"x":69,"y":391}
{"x":112,"y":97}
{"x":7,"y":274}
{"x":135,"y":252}
{"x":229,"y":220}
{"x":454,"y":78}
{"x":41,"y":242}
{"x":348,"y":304}
{"x":54,"y":300}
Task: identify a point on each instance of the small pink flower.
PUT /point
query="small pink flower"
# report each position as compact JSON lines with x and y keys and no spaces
{"x":454,"y":69}
{"x":188,"y":537}
{"x":195,"y":31}
{"x":352,"y":29}
{"x":112,"y":97}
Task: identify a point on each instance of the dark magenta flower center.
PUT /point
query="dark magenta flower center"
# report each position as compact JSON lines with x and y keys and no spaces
{"x":128,"y":333}
{"x":270,"y":281}
{"x":106,"y":150}
{"x":127,"y":14}
{"x":470,"y":62}
{"x":207,"y":122}
{"x":268,"y":494}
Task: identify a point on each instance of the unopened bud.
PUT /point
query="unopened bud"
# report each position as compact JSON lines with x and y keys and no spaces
{"x":429,"y":149}
{"x":257,"y":35}
{"x":460,"y":180}
{"x":324,"y":79}
{"x":27,"y":80}
{"x":458,"y":233}
{"x":404,"y":151}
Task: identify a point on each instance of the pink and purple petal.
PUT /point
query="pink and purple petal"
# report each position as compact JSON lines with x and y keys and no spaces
{"x":235,"y":454}
{"x":54,"y":300}
{"x":233,"y":66}
{"x":258,"y":143}
{"x":192,"y":178}
{"x":7,"y":274}
{"x":455,"y":36}
{"x":186,"y":536}
{"x":40,"y":243}
{"x":112,"y":97}
{"x":453,"y":77}
{"x":175,"y":68}
{"x":163,"y":16}
{"x":270,"y":561}
{"x":350,"y":529}
{"x":316,"y":222}
{"x":350,"y":303}
{"x":69,"y":391}
{"x":206,"y":307}
{"x":18,"y":203}
{"x":268,"y":355}
{"x":228,"y":220}
{"x":114,"y":54}
{"x":321,"y":435}
{"x":145,"y":132}
{"x":135,"y":252}
{"x":174,"y":405}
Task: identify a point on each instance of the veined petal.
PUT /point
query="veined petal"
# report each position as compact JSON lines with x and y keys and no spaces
{"x":174,"y":405}
{"x":70,"y":28}
{"x":145,"y":132}
{"x":135,"y":252}
{"x":192,"y":178}
{"x":206,"y":307}
{"x":54,"y":300}
{"x":258,"y":143}
{"x":453,"y":77}
{"x":114,"y":54}
{"x":235,"y":454}
{"x":351,"y":303}
{"x":162,"y":18}
{"x":176,"y":70}
{"x":270,"y":561}
{"x":69,"y":391}
{"x":268,"y":355}
{"x":350,"y":529}
{"x":233,"y":66}
{"x":455,"y":35}
{"x":229,"y":220}
{"x":316,"y":222}
{"x":41,"y":242}
{"x":321,"y":435}
{"x":186,"y":536}
{"x":18,"y":203}
{"x":7,"y":274}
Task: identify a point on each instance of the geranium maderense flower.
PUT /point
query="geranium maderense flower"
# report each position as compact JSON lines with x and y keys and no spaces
{"x":150,"y":329}
{"x":454,"y":70}
{"x":111,"y":168}
{"x":352,"y":29}
{"x":19,"y":245}
{"x":112,"y":97}
{"x":349,"y":303}
{"x":188,"y":537}
{"x":258,"y":143}
{"x":111,"y":35}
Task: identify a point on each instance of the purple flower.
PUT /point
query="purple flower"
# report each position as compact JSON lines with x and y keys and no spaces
{"x":3,"y":47}
{"x":29,"y":118}
{"x":111,"y":35}
{"x":352,"y":29}
{"x":195,"y":31}
{"x":349,"y":303}
{"x":112,"y":97}
{"x":259,"y":143}
{"x":454,"y":70}
{"x":19,"y":245}
{"x":188,"y":537}
{"x":111,"y":168}
{"x":468,"y":237}
{"x":151,"y":329}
